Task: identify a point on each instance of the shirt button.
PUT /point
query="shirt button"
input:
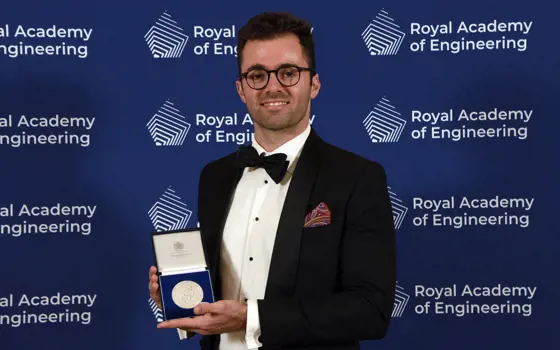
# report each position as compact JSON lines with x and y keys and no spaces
{"x":256,"y":219}
{"x":265,"y":181}
{"x":251,"y":259}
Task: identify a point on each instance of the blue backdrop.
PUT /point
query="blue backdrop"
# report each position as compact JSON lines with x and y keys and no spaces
{"x":110,"y":109}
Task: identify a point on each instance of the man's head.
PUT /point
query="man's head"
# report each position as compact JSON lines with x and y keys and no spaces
{"x":272,"y":41}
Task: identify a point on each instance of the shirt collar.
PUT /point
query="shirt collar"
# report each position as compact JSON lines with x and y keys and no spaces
{"x":291,"y":148}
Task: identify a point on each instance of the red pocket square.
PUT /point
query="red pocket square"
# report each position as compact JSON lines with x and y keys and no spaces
{"x":320,"y":216}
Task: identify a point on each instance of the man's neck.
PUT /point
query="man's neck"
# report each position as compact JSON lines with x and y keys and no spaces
{"x":272,"y":139}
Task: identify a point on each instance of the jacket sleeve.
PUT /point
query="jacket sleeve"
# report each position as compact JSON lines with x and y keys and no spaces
{"x":362,"y":309}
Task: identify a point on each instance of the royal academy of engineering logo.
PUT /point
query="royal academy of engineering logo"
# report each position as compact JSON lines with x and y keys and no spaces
{"x":383,"y":36}
{"x":401,"y":301}
{"x":168,"y":38}
{"x":18,"y":41}
{"x":165,"y":38}
{"x":168,"y":126}
{"x":384,"y":123}
{"x":169,"y":212}
{"x":398,"y":208}
{"x":158,"y":314}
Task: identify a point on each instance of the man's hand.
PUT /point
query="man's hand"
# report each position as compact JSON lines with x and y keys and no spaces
{"x":153,"y":285}
{"x":223,"y":316}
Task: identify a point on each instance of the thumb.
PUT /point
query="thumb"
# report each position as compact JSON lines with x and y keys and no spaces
{"x":203,"y":308}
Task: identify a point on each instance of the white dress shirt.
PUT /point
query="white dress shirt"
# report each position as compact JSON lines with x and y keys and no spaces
{"x":248,"y":240}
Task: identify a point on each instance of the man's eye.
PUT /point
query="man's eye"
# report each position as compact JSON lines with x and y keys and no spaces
{"x":256,"y":75}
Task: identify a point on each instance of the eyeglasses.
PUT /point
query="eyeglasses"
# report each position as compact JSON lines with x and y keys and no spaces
{"x":287,"y":76}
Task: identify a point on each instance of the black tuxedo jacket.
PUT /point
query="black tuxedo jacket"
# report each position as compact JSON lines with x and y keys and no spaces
{"x":329,"y":286}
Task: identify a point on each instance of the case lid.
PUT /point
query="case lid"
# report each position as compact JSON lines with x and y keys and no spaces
{"x":178,"y":250}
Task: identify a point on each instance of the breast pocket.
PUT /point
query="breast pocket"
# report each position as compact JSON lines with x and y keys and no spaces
{"x":319,"y":254}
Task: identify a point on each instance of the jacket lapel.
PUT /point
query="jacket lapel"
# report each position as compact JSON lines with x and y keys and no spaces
{"x":285,"y":256}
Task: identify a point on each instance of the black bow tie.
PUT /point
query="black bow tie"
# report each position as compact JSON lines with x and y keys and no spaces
{"x":274,"y":164}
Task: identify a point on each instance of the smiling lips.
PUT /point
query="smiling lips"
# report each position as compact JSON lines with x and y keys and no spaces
{"x":274,"y":105}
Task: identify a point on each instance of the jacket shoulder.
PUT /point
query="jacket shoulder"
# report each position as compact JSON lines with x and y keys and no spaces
{"x":218,"y":165}
{"x":341,"y":159}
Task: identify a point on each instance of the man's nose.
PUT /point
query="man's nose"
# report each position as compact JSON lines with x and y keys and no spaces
{"x":273,"y":83}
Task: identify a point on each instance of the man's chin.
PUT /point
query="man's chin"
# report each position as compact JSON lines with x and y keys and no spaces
{"x":272,"y":120}
{"x":275,"y":121}
{"x":275,"y":127}
{"x":272,"y":126}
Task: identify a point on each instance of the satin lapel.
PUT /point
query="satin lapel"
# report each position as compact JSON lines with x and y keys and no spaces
{"x":285,"y":255}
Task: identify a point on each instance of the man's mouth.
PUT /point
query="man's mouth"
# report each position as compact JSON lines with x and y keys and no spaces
{"x":274,"y":103}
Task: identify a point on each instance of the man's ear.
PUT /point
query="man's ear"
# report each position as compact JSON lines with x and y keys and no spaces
{"x":240,"y":91}
{"x":315,"y":86}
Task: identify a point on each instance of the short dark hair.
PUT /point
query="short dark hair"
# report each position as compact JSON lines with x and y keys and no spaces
{"x":269,"y":25}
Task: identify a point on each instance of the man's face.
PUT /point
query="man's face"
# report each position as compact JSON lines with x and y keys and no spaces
{"x":277,"y":107}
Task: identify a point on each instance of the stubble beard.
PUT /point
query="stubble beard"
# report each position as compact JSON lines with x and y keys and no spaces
{"x":277,"y":122}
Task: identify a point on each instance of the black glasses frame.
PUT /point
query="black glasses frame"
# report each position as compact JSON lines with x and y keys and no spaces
{"x":275,"y":71}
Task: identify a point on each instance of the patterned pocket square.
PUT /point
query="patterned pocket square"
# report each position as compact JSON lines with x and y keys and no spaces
{"x":320,"y":216}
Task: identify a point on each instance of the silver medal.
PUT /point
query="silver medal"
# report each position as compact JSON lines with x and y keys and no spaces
{"x":187,"y":294}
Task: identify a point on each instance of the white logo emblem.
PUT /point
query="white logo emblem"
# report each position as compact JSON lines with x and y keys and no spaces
{"x":155,"y":310}
{"x":169,"y":212}
{"x":383,"y":36}
{"x":165,"y":39}
{"x":401,"y":300}
{"x":168,"y":126}
{"x":384,"y":123}
{"x":399,"y":210}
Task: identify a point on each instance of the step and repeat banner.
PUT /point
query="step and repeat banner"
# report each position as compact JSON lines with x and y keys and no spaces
{"x":110,"y":109}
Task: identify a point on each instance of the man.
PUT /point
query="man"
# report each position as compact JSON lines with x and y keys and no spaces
{"x":304,"y":256}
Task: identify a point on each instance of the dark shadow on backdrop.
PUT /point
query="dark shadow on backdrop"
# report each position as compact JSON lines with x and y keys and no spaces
{"x":69,"y":263}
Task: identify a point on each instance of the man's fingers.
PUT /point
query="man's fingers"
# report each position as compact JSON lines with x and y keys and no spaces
{"x":153,"y":286}
{"x":184,"y":323}
{"x":153,"y":283}
{"x":152,"y":277}
{"x":154,"y":292}
{"x":205,"y":308}
{"x":154,"y":296}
